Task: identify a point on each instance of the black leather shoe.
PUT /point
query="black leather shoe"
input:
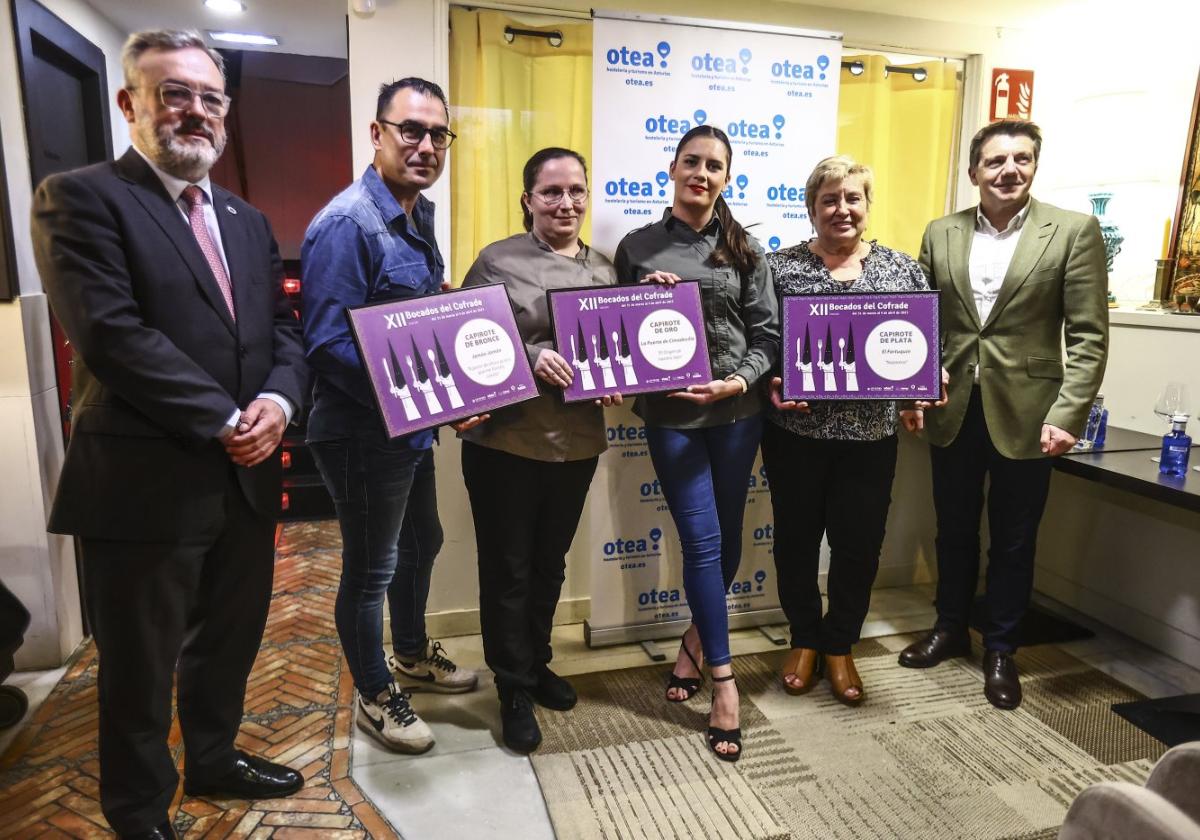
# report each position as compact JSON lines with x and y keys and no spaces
{"x":1001,"y":683}
{"x":161,"y":832}
{"x":935,"y":648}
{"x":553,"y":692}
{"x":520,"y":728}
{"x":250,"y":777}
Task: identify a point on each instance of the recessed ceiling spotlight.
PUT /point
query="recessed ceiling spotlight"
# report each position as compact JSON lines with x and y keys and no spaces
{"x":226,"y":7}
{"x":245,"y":38}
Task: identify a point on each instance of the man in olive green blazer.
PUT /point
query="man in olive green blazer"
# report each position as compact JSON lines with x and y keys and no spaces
{"x":1019,"y":280}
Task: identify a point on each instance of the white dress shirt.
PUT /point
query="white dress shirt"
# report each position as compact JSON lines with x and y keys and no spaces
{"x":175,"y":187}
{"x":991,"y":253}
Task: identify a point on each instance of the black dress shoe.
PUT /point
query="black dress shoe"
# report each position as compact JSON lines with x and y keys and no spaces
{"x":161,"y":832}
{"x":1001,"y":683}
{"x":250,"y":777}
{"x":520,"y":728}
{"x":553,"y":692}
{"x":935,"y":648}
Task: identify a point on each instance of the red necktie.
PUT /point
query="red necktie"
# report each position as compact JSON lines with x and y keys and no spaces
{"x":194,"y":196}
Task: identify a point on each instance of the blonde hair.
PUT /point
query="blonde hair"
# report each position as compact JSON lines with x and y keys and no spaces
{"x":837,"y":168}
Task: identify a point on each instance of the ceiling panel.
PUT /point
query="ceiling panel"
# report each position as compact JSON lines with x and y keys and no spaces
{"x":306,"y":27}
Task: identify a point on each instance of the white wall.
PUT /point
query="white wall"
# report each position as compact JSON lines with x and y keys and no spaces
{"x":1128,"y":561}
{"x":38,"y":567}
{"x":1146,"y":350}
{"x":1113,"y":93}
{"x":401,"y":38}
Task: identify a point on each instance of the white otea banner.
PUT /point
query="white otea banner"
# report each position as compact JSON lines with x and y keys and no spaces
{"x":774,"y":92}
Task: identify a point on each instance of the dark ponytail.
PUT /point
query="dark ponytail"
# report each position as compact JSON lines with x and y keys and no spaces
{"x":734,"y":248}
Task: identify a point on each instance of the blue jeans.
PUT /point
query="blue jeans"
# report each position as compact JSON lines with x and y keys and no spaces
{"x":705,"y":474}
{"x":386,"y":503}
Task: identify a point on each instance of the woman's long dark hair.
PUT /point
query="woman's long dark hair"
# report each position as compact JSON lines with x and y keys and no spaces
{"x":734,"y":248}
{"x":533,"y":168}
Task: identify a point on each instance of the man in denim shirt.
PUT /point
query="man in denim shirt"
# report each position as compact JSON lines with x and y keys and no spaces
{"x":374,"y":242}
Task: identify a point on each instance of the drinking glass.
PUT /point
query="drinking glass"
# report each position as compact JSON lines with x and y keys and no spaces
{"x":1171,"y":401}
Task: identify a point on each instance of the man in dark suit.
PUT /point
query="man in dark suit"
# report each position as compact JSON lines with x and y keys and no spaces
{"x":188,"y":367}
{"x":1019,"y":279}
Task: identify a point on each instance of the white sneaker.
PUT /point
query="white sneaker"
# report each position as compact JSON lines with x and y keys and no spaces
{"x":392,"y":722}
{"x":434,"y":672}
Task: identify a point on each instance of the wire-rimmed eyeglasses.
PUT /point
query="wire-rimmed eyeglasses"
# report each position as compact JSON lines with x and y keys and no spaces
{"x":179,"y":98}
{"x":553,"y":196}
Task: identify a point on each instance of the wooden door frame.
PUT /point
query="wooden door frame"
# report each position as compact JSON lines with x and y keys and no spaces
{"x":33,"y":22}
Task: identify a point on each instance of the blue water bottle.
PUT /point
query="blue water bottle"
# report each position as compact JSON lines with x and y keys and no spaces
{"x":1177,"y":445}
{"x":1095,"y":428}
{"x":1101,"y":422}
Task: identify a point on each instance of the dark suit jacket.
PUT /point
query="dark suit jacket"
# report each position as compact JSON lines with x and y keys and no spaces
{"x":159,"y":366}
{"x":1054,"y":293}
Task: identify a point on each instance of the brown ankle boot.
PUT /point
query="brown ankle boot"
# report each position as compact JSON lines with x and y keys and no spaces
{"x":800,"y":671}
{"x":843,"y":677}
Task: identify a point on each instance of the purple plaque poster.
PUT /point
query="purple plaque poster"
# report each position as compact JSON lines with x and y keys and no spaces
{"x":630,"y":339}
{"x":861,"y":347}
{"x":441,"y":358}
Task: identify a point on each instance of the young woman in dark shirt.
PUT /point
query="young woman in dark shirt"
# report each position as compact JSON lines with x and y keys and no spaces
{"x":703,"y":440}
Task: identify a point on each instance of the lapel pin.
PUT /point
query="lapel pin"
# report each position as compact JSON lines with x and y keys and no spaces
{"x":229,"y":207}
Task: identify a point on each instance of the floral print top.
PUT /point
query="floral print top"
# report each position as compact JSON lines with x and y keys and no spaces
{"x":797,"y":270}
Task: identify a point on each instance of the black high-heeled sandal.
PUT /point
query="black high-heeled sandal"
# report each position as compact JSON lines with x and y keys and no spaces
{"x":688,"y":685}
{"x":727,"y":736}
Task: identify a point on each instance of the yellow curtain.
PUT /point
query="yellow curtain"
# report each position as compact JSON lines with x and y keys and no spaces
{"x":905,"y":131}
{"x":509,"y":100}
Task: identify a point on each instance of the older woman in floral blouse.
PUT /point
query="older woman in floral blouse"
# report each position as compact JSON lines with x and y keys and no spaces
{"x":831,"y":464}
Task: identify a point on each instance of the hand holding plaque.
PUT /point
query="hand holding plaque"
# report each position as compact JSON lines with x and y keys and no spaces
{"x":882,"y":346}
{"x":445,"y":358}
{"x":638,"y":339}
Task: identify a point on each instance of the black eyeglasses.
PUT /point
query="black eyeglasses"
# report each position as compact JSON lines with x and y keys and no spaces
{"x":553,"y":196}
{"x":413,"y":133}
{"x":179,"y":98}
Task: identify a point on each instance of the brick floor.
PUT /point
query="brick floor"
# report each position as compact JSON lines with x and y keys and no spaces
{"x":299,"y":708}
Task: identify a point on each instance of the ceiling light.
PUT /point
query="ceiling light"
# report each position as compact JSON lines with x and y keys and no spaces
{"x":245,"y":38}
{"x":226,"y":7}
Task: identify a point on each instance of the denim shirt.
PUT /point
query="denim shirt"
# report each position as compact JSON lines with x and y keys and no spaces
{"x":361,"y":248}
{"x":741,"y":316}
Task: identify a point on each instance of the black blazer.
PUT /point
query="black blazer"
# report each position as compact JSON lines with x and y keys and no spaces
{"x":159,"y":366}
